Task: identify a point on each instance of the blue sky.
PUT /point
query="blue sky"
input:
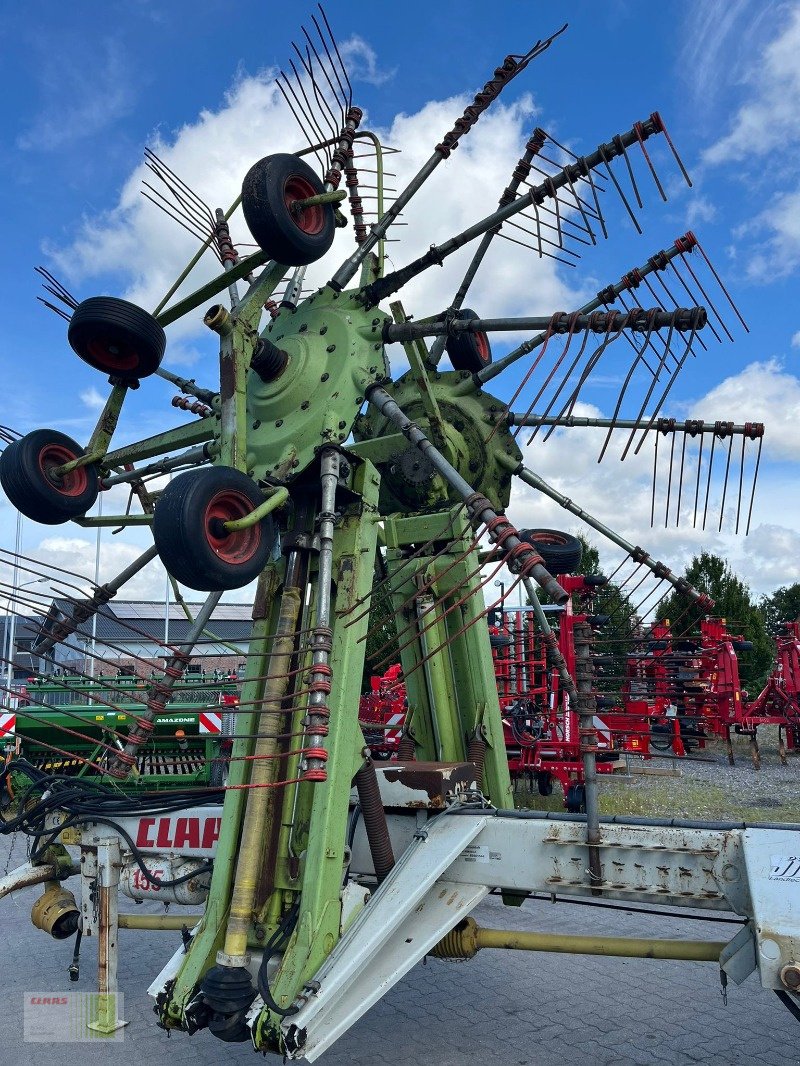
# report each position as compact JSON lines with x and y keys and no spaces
{"x":85,"y":87}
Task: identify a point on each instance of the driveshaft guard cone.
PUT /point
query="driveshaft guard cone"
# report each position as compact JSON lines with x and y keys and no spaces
{"x":228,"y":992}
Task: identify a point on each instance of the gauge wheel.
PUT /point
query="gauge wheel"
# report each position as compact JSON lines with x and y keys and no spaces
{"x":27,"y":475}
{"x":561,"y":552}
{"x":469,"y":351}
{"x":576,"y":799}
{"x":544,"y":782}
{"x":117,"y":338}
{"x":270,"y":192}
{"x":189,"y":533}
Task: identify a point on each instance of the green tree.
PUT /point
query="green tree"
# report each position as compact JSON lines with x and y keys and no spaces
{"x":782,"y":606}
{"x":382,"y":642}
{"x":732,"y":601}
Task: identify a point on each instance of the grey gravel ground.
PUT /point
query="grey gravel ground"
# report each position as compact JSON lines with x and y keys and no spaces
{"x":501,"y":1009}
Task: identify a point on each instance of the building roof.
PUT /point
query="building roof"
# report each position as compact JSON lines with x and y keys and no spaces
{"x":129,"y":622}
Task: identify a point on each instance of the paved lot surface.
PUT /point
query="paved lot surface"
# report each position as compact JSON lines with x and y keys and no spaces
{"x":500,"y":1009}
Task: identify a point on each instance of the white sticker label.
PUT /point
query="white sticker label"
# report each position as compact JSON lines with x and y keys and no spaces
{"x":785,"y":868}
{"x":475,"y":853}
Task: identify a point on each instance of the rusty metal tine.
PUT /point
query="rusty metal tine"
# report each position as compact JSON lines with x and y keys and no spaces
{"x":625,"y":384}
{"x":564,"y":381}
{"x":323,"y":68}
{"x":646,"y":400}
{"x":637,"y":126}
{"x":725,"y":485}
{"x":63,"y":292}
{"x":617,"y":141}
{"x":718,"y":280}
{"x":312,"y":141}
{"x":618,"y":187}
{"x":549,"y":225}
{"x":741,"y":482}
{"x":545,"y":240}
{"x":753,"y":491}
{"x":584,"y":216}
{"x":160,"y":165}
{"x":665,"y":287}
{"x":673,"y":149}
{"x":669,"y":480}
{"x":548,"y":178}
{"x":706,"y":297}
{"x":568,"y":152}
{"x":655,"y":475}
{"x":697,"y":485}
{"x":668,"y":388}
{"x":349,"y":93}
{"x":591,"y":364}
{"x":309,"y":111}
{"x":628,"y":307}
{"x":549,"y":255}
{"x":680,"y":480}
{"x":53,"y":307}
{"x":708,"y":480}
{"x":600,"y":217}
{"x":558,"y":362}
{"x":322,"y":105}
{"x":343,"y":98}
{"x":693,"y":302}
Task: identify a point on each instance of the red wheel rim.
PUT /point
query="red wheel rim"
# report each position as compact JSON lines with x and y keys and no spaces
{"x":232,"y":548}
{"x":51,"y":457}
{"x":549,"y":538}
{"x":112,"y":354}
{"x":482,"y":343}
{"x":310,"y":220}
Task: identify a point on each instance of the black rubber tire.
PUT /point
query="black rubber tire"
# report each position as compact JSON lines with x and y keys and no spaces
{"x":268,"y":189}
{"x":544,"y":783}
{"x":661,"y":737}
{"x":23,"y":475}
{"x":117,"y":338}
{"x":497,"y":640}
{"x":469,"y":351}
{"x":186,"y":529}
{"x":742,"y":645}
{"x":575,"y":799}
{"x":560,"y":552}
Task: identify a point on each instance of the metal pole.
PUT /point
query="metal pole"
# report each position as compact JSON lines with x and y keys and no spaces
{"x":612,"y":321}
{"x":90,"y":671}
{"x":588,"y":749}
{"x":383,"y":402}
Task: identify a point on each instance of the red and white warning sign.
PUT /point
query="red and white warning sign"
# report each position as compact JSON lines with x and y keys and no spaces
{"x":8,"y":724}
{"x":210,"y":722}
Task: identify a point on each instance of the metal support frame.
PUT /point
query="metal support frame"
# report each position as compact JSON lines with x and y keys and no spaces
{"x":100,"y":870}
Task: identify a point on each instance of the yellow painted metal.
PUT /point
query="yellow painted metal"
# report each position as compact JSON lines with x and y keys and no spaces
{"x":277,"y":499}
{"x":467,"y":939}
{"x":259,"y":809}
{"x":159,"y":921}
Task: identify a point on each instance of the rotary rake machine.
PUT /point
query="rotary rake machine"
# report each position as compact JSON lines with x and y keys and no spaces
{"x":309,"y":470}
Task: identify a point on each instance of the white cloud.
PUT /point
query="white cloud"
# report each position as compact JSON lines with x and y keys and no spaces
{"x":92,"y":399}
{"x":135,"y":242}
{"x":84,"y":89}
{"x":761,"y":392}
{"x":767,"y":124}
{"x":796,"y":340}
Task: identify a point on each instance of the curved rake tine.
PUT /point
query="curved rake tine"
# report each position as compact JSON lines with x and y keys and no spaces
{"x":741,"y":482}
{"x":666,"y":289}
{"x":708,"y":480}
{"x":697,"y":484}
{"x":753,"y":491}
{"x":706,"y":299}
{"x":160,"y":168}
{"x":640,"y":415}
{"x":54,"y":286}
{"x":693,"y":300}
{"x":323,"y":106}
{"x":324,"y":69}
{"x":665,"y":393}
{"x":637,"y":127}
{"x":621,"y":194}
{"x":309,"y":112}
{"x":725,"y":485}
{"x":564,"y":380}
{"x":655,"y":475}
{"x":349,"y":94}
{"x":680,"y":481}
{"x":626,"y":383}
{"x":594,"y":359}
{"x":58,"y":310}
{"x":623,"y":152}
{"x":719,"y":282}
{"x":312,"y":142}
{"x":669,"y":479}
{"x":658,"y":122}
